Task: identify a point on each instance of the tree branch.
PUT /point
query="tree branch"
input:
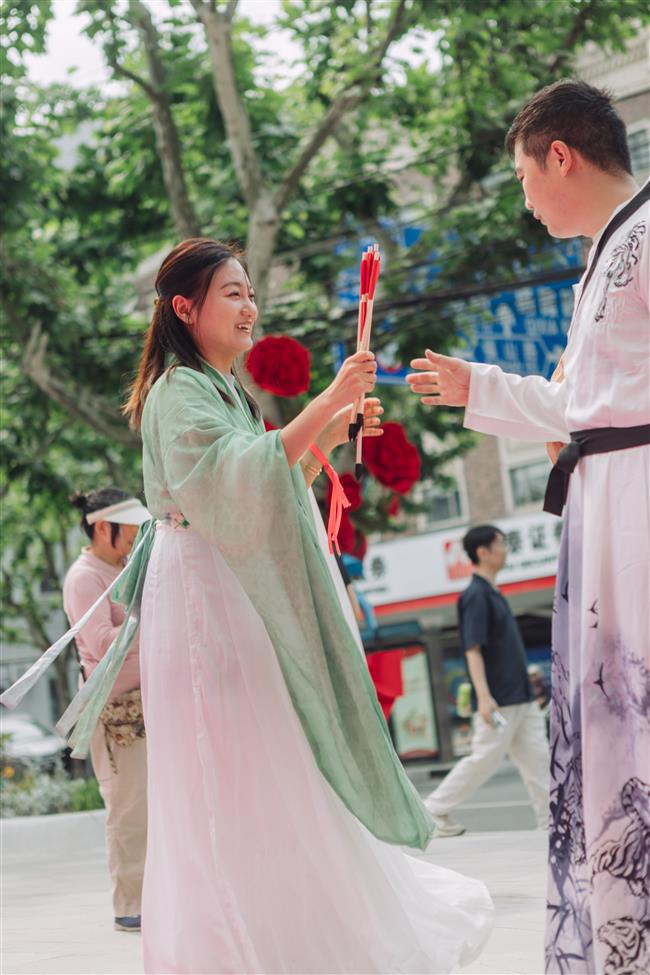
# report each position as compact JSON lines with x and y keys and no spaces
{"x":80,"y":403}
{"x":123,"y":72}
{"x":48,"y":555}
{"x":345,"y":103}
{"x":167,"y":141}
{"x":233,"y":111}
{"x":25,"y":609}
{"x":110,"y":50}
{"x":567,"y":46}
{"x":347,"y":100}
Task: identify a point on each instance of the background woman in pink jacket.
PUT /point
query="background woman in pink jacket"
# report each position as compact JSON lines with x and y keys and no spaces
{"x":110,"y":519}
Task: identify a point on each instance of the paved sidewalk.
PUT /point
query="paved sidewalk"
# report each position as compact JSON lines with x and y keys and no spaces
{"x":57,"y":908}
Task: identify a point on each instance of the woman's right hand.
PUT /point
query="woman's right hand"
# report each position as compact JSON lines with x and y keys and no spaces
{"x":356,"y":377}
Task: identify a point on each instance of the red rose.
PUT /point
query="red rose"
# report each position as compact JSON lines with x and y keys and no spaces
{"x":392,"y":459}
{"x":360,"y":545}
{"x":269,"y":426}
{"x":352,"y":490}
{"x":351,"y":540}
{"x":280,"y":365}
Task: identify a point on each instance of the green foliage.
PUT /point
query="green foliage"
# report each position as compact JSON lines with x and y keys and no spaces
{"x":86,"y":795}
{"x":36,"y":794}
{"x":23,"y":26}
{"x":84,"y":204}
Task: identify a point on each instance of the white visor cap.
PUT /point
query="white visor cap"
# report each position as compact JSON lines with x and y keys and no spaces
{"x":129,"y":512}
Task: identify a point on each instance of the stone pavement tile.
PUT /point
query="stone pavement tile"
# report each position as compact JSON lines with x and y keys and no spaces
{"x":58,"y":917}
{"x":513,"y":865}
{"x":69,"y":964}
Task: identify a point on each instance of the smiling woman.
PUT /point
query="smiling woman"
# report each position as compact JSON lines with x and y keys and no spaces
{"x":277,"y":843}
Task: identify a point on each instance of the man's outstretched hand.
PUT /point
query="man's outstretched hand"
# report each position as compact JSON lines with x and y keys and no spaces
{"x":441,"y":381}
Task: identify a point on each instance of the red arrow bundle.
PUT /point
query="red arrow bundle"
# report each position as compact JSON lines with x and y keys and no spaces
{"x":368,"y":277}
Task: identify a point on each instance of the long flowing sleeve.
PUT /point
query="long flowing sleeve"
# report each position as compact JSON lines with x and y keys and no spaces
{"x":229,"y":484}
{"x":522,"y":407}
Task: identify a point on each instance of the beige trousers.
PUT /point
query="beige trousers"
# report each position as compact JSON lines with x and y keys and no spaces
{"x":125,"y":797}
{"x":523,"y":739}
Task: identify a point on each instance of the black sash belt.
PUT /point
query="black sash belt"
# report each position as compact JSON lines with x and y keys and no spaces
{"x":584,"y":442}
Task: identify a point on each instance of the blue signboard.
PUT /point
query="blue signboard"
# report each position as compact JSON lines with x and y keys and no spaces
{"x":522,"y":330}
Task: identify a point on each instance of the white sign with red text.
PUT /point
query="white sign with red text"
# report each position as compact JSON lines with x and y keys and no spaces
{"x":435,"y":563}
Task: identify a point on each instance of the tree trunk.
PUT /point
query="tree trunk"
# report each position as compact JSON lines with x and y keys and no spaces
{"x":263,"y":227}
{"x":233,"y":112}
{"x":61,"y":688}
{"x":167,"y":140}
{"x":79,"y":401}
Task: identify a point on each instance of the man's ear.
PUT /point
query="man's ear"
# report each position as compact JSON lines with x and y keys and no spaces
{"x":561,"y":157}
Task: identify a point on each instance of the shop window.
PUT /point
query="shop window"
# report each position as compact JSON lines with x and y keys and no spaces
{"x":441,"y":505}
{"x":639,"y":143}
{"x":528,"y":483}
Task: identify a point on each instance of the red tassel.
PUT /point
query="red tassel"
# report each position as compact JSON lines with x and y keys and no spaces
{"x":338,"y":501}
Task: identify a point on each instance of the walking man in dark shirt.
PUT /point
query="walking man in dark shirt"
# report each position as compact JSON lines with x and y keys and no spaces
{"x":506,"y":720}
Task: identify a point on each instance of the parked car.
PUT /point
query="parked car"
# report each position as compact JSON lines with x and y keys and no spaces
{"x":30,"y":745}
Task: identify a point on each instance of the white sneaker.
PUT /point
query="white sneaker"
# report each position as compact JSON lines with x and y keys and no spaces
{"x":446,"y":826}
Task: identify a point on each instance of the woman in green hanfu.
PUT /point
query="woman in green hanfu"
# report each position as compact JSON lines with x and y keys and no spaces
{"x":279,"y":812}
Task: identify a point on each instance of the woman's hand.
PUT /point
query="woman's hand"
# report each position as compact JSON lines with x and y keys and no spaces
{"x":336,"y":431}
{"x":445,"y":381}
{"x":356,"y":377}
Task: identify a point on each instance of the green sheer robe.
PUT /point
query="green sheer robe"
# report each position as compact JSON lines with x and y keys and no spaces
{"x":216,"y":464}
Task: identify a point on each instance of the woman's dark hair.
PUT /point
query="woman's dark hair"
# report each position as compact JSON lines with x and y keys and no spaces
{"x":578,"y":114}
{"x":94,"y":501}
{"x":481,"y":535}
{"x":188,"y":271}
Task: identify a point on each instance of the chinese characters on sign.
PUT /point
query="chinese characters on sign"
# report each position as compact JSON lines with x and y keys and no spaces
{"x":522,"y":330}
{"x":434,"y":563}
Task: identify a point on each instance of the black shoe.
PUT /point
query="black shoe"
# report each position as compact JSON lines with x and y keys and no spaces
{"x":128,"y":923}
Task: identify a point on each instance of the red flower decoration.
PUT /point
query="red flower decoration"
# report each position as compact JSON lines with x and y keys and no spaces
{"x":280,"y":365}
{"x":352,"y":490}
{"x":351,"y":540}
{"x":269,"y":426}
{"x":393,"y":506}
{"x":346,"y":533}
{"x":392,"y":459}
{"x":360,"y":545}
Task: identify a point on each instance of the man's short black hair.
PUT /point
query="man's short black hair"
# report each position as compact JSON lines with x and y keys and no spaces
{"x":477,"y":536}
{"x":575,"y":113}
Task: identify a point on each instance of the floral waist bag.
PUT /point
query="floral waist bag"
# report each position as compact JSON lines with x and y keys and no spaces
{"x":123,"y":721}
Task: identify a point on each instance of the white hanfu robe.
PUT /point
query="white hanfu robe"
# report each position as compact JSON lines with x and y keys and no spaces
{"x":599,"y":858}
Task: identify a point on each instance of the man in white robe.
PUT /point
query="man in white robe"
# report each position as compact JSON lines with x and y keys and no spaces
{"x":571,"y":156}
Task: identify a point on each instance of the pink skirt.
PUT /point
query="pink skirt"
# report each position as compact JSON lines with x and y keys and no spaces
{"x":254,"y":865}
